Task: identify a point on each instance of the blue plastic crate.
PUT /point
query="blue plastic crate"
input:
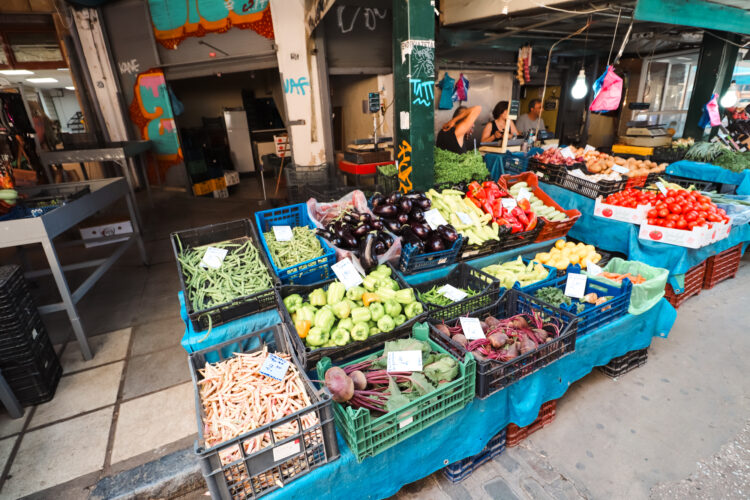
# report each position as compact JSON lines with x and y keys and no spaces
{"x":498,"y":259}
{"x":458,"y":471}
{"x":413,"y":262}
{"x":593,"y":316}
{"x":518,"y":162}
{"x":304,"y":273}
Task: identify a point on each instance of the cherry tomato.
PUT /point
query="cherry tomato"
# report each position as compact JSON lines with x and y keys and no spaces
{"x":675,"y":208}
{"x":673,"y":217}
{"x":681,"y":224}
{"x":670,"y":224}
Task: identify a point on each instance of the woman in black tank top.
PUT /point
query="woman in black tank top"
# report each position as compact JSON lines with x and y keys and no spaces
{"x":495,"y":128}
{"x":452,"y":137}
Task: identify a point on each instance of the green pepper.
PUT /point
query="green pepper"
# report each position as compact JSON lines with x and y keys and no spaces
{"x":306,"y":313}
{"x":377,"y":311}
{"x":413,"y":309}
{"x":383,"y":269}
{"x":336,"y":292}
{"x":361,"y":314}
{"x":318,"y":297}
{"x":392,"y":308}
{"x":340,"y":336}
{"x":324,"y":319}
{"x":355,"y":293}
{"x":351,"y":303}
{"x":346,"y":323}
{"x":374,"y":330}
{"x":293,"y":302}
{"x":370,"y":282}
{"x":360,"y":331}
{"x":400,"y":319}
{"x":388,"y":283}
{"x":316,"y":337}
{"x":386,"y":293}
{"x":405,"y":296}
{"x":386,"y":324}
{"x":341,"y":309}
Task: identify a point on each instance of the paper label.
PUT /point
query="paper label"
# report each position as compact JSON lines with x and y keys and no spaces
{"x":452,"y":292}
{"x":405,"y":422}
{"x":404,"y":120}
{"x":434,"y":219}
{"x":471,"y":328}
{"x":34,"y":334}
{"x":575,"y":285}
{"x":274,"y":367}
{"x":588,"y":148}
{"x":464,"y":218}
{"x":213,"y":257}
{"x":283,"y":233}
{"x":593,"y":269}
{"x":620,"y":169}
{"x":404,"y":361}
{"x":567,"y":153}
{"x":286,"y":450}
{"x":508,"y":203}
{"x":346,"y":273}
{"x":661,"y":188}
{"x":523,"y":194}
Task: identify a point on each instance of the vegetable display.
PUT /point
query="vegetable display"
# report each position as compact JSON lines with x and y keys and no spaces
{"x":537,"y":205}
{"x":734,"y":161}
{"x":241,"y":273}
{"x":435,"y":297}
{"x":636,"y":280}
{"x":506,"y":339}
{"x":511,"y":216}
{"x":369,"y":385}
{"x":337,"y":317}
{"x":554,"y":156}
{"x":452,"y":168}
{"x":468,"y":219}
{"x":556,"y":297}
{"x":565,"y":253}
{"x":302,"y":247}
{"x":597,"y":162}
{"x":705,"y":152}
{"x":361,"y":233}
{"x":517,"y":271}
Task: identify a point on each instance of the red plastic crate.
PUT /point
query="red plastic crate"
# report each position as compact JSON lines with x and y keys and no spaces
{"x":693,"y":285}
{"x":722,"y":266}
{"x":514,"y":434}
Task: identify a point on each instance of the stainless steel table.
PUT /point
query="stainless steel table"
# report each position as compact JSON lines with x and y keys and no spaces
{"x":44,"y":229}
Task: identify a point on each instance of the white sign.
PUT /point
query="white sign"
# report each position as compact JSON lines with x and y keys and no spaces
{"x":524,"y":194}
{"x":620,"y":169}
{"x":464,"y":218}
{"x":283,"y":233}
{"x":404,"y":120}
{"x":593,"y":269}
{"x":434,"y":219}
{"x":452,"y":293}
{"x":575,"y":285}
{"x":567,"y":153}
{"x":274,"y":367}
{"x":405,"y":422}
{"x":508,"y":203}
{"x":404,"y":361}
{"x":471,"y":328}
{"x":661,"y":188}
{"x":346,"y":273}
{"x":588,"y":148}
{"x":286,"y":450}
{"x":213,"y":257}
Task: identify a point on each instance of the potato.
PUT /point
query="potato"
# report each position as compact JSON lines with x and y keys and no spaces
{"x":620,"y":161}
{"x":595,"y":168}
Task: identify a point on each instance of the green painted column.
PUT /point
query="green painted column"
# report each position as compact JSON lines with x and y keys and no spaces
{"x":713,"y":75}
{"x":414,"y":85}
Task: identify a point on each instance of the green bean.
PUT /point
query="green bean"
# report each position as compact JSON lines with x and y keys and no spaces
{"x":433,"y":296}
{"x":303,"y":246}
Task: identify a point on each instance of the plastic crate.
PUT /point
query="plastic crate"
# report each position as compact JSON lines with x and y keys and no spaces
{"x":514,"y":434}
{"x":388,"y":183}
{"x":33,"y":376}
{"x":551,"y":274}
{"x":462,"y":276}
{"x":623,"y":364}
{"x":458,"y":471}
{"x":328,"y":193}
{"x":593,"y":316}
{"x":551,"y":229}
{"x":20,"y":338}
{"x":412,"y":261}
{"x":686,"y":183}
{"x":693,"y":285}
{"x":297,"y":178}
{"x":643,"y":180}
{"x":493,"y":375}
{"x":514,"y":163}
{"x":547,"y":172}
{"x":368,"y":435}
{"x":666,"y":154}
{"x":239,"y":231}
{"x":722,"y":266}
{"x":310,"y":357}
{"x":303,"y":273}
{"x":276,"y":465}
{"x":506,"y":242}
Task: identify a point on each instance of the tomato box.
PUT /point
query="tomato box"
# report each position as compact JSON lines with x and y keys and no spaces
{"x":696,"y":238}
{"x":718,"y":231}
{"x":622,"y":214}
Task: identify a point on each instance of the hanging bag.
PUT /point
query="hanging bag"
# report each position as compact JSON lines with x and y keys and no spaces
{"x":608,"y":92}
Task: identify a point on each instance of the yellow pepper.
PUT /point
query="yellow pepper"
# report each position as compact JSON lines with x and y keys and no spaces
{"x":302,"y":326}
{"x":369,"y":297}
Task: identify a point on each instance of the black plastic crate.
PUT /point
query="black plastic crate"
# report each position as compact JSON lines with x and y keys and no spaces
{"x":588,"y":188}
{"x":297,"y":179}
{"x":506,"y":242}
{"x":462,"y":276}
{"x":260,"y":472}
{"x":493,"y":375}
{"x":458,"y":471}
{"x":549,"y":173}
{"x":621,"y":365}
{"x":664,"y":154}
{"x":237,"y":231}
{"x":327,"y":193}
{"x":20,"y":342}
{"x":310,"y":357}
{"x":33,"y":378}
{"x":388,"y":183}
{"x":701,"y":185}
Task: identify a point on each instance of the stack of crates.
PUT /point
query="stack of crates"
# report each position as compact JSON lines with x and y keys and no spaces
{"x":28,"y":361}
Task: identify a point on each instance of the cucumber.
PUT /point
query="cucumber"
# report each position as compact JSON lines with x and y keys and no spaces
{"x":8,"y":194}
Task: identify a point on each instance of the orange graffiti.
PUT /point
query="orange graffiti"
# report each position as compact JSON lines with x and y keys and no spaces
{"x":404,"y":167}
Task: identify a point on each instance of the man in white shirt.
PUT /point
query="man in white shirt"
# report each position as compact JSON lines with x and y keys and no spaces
{"x":528,"y":122}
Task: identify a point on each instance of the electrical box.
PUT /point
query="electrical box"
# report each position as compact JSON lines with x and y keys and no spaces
{"x":374,"y":102}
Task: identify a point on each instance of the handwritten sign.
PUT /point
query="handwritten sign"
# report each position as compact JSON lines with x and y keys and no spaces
{"x":404,"y":361}
{"x":274,"y":367}
{"x":214,"y":257}
{"x":575,"y":285}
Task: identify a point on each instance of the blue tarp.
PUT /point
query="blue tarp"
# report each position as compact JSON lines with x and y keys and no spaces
{"x":466,"y":432}
{"x":711,"y":173}
{"x":494,"y":162}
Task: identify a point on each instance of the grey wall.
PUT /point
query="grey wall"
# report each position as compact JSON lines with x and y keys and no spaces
{"x":358,"y":36}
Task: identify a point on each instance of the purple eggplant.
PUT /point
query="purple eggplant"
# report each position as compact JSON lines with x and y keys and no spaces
{"x":380,"y":248}
{"x":377,"y":200}
{"x":366,"y":218}
{"x":361,"y":230}
{"x":324,"y":233}
{"x":392,"y":226}
{"x":403,"y":218}
{"x":448,"y":233}
{"x":394,"y":198}
{"x":434,"y":244}
{"x":416,"y":215}
{"x":349,"y":240}
{"x":404,"y":206}
{"x":410,"y":237}
{"x":377,"y":225}
{"x":386,"y":238}
{"x":421,"y":230}
{"x":422,"y":202}
{"x":387,"y":211}
{"x":367,"y":256}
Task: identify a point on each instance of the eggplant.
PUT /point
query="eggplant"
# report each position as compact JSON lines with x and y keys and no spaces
{"x":421,"y":230}
{"x":386,"y":238}
{"x":392,"y":226}
{"x":377,"y":225}
{"x":349,"y":218}
{"x":403,"y":218}
{"x":366,"y":218}
{"x":416,"y":215}
{"x":377,"y":200}
{"x":387,"y":211}
{"x":448,"y":233}
{"x":367,"y":256}
{"x":411,"y":238}
{"x":404,"y":206}
{"x":337,"y":242}
{"x":324,"y":233}
{"x":380,"y":248}
{"x":394,"y":198}
{"x":349,"y":240}
{"x":361,"y":230}
{"x":422,"y":202}
{"x":434,"y":244}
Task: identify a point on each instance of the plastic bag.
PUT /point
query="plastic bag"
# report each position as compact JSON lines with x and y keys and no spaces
{"x":323,"y":213}
{"x":739,"y":215}
{"x":608,"y":88}
{"x":647,"y":294}
{"x":712,"y":107}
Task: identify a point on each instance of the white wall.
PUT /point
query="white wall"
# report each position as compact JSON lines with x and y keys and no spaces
{"x":65,"y":107}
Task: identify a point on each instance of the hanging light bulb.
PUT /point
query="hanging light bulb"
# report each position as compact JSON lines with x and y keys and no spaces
{"x":729,"y":99}
{"x":579,"y":89}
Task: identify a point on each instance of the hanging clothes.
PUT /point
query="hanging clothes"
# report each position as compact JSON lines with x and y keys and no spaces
{"x":446,"y":87}
{"x":461,"y":91}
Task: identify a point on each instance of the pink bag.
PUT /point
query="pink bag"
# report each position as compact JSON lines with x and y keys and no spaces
{"x":609,"y":93}
{"x":713,"y":111}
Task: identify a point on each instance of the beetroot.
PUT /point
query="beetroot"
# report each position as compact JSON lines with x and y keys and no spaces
{"x":498,"y":340}
{"x":527,"y":345}
{"x":340,"y":385}
{"x":461,"y":339}
{"x":491,"y":321}
{"x":442,"y":328}
{"x":359,"y":379}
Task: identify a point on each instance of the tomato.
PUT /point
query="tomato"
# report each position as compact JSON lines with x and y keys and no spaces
{"x":670,"y":224}
{"x":669,"y":200}
{"x":653,"y":213}
{"x":675,"y":208}
{"x":673,"y":217}
{"x":663,"y":212}
{"x":681,"y":224}
{"x":721,"y":211}
{"x":691,"y":215}
{"x":671,"y":192}
{"x":651,"y":221}
{"x":700,"y":221}
{"x":714,"y":218}
{"x":690,"y":226}
{"x":704,"y":199}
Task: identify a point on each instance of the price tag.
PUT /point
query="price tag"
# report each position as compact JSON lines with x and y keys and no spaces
{"x":213,"y":257}
{"x":464,"y":218}
{"x":404,"y":361}
{"x":508,"y":203}
{"x":274,"y":367}
{"x":661,"y":188}
{"x":283,"y":233}
{"x":346,"y":273}
{"x":524,"y":194}
{"x":471,"y":328}
{"x":588,"y":148}
{"x":575,"y":286}
{"x":567,"y":153}
{"x":620,"y":169}
{"x":286,"y":450}
{"x":452,"y":292}
{"x":593,"y":269}
{"x":434,"y":219}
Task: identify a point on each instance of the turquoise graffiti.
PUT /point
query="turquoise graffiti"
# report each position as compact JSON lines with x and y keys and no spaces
{"x":423,"y":91}
{"x":292,"y":86}
{"x":151,"y":111}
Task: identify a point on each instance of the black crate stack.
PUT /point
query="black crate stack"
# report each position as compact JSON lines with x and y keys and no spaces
{"x":27,"y":358}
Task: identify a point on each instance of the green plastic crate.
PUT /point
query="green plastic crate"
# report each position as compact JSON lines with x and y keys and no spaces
{"x":369,"y":436}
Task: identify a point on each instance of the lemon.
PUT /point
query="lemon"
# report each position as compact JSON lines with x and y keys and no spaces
{"x":596,"y":258}
{"x":561,"y":265}
{"x":570,"y":244}
{"x":591,"y":248}
{"x":560,"y":244}
{"x":573,"y":259}
{"x":542,"y":257}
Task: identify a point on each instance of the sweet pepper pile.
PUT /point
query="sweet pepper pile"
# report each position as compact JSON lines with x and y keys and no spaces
{"x":516,"y":217}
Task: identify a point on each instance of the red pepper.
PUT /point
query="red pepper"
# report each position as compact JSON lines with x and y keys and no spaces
{"x":524,"y":204}
{"x":487,"y":207}
{"x":502,"y":221}
{"x":476,"y":191}
{"x":516,"y":228}
{"x":497,"y":209}
{"x":491,"y":188}
{"x":520,"y":215}
{"x":471,"y":198}
{"x":532,"y":222}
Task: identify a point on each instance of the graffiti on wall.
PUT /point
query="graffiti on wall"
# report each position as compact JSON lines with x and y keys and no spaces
{"x":423,"y":92}
{"x":404,"y":167}
{"x":368,"y":17}
{"x":292,"y":86}
{"x":175,"y":20}
{"x":151,"y":111}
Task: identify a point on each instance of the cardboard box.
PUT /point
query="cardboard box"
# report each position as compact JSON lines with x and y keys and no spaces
{"x":622,"y":214}
{"x":205,"y":187}
{"x":105,"y":229}
{"x":231,"y":177}
{"x":696,"y":238}
{"x":221,"y":193}
{"x":717,"y":232}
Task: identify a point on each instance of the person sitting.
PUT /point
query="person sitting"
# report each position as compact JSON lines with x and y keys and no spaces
{"x":495,"y":128}
{"x":531,"y":121}
{"x":452,"y":137}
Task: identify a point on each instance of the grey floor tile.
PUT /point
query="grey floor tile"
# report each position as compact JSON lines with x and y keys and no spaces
{"x":155,"y":371}
{"x":107,"y":347}
{"x":9,"y":426}
{"x":6,"y":446}
{"x":157,"y":335}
